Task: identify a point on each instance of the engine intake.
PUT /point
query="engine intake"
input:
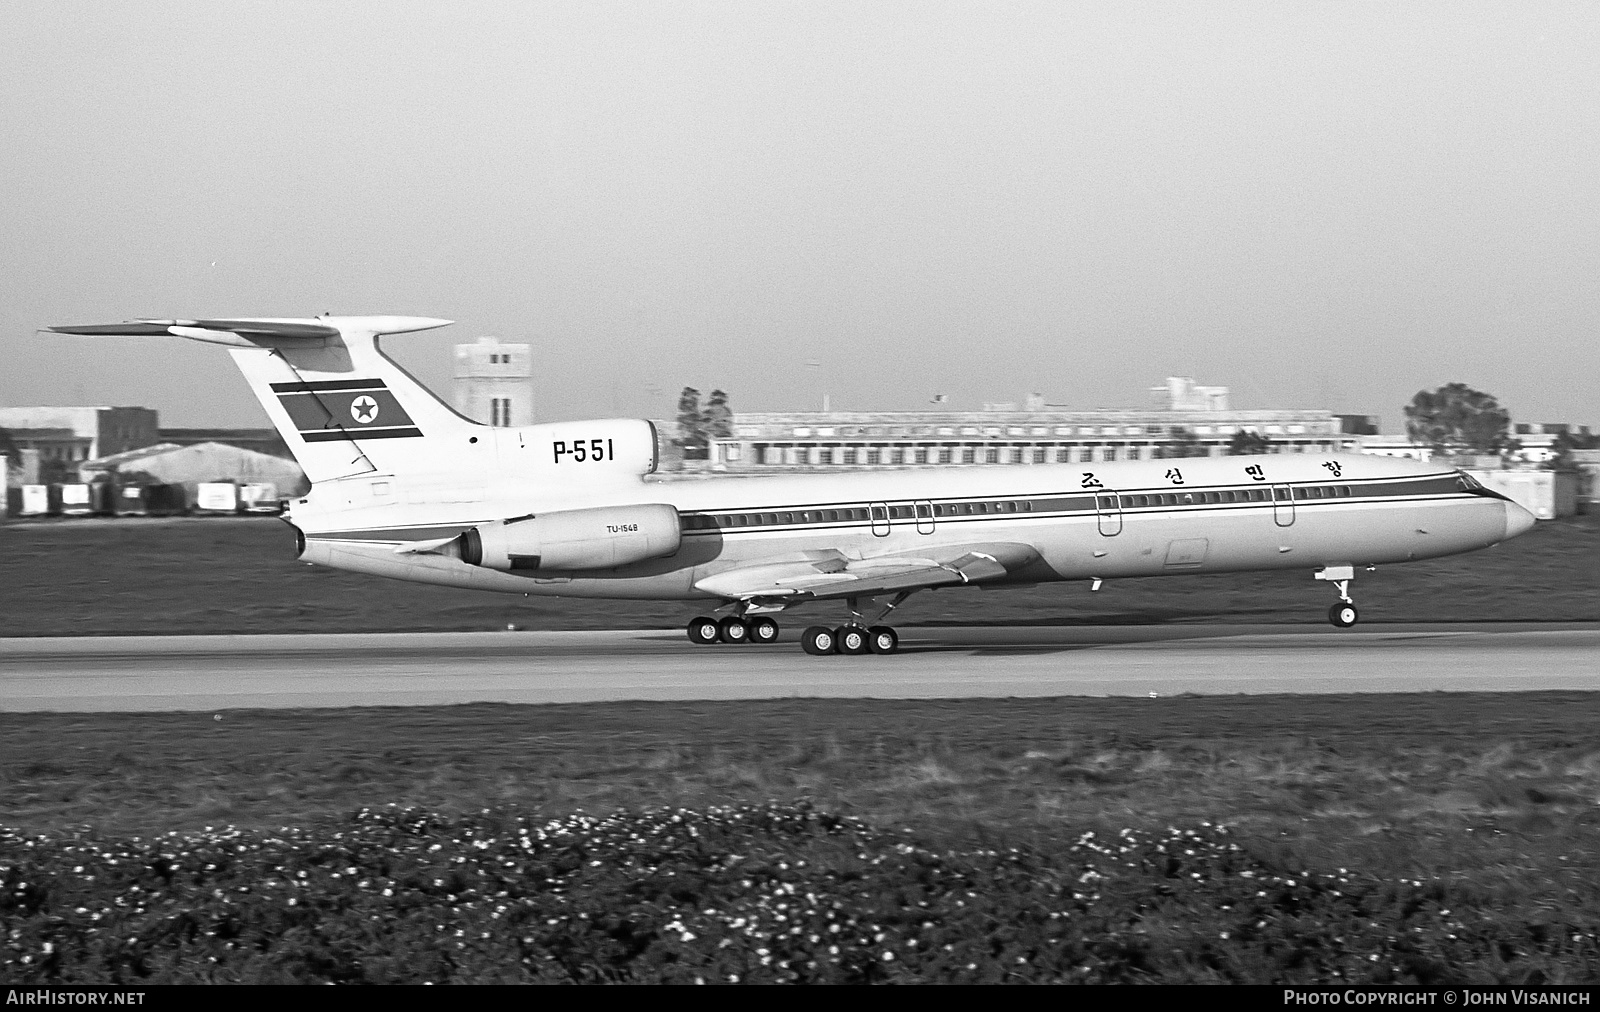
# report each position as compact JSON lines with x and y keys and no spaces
{"x":601,"y":538}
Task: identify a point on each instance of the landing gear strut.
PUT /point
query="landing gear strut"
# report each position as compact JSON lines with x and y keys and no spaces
{"x":1344,"y":614}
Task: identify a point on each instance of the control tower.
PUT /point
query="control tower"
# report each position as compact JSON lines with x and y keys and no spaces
{"x":494,"y":382}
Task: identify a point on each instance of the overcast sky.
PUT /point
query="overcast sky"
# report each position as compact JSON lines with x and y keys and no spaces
{"x":1317,"y":205}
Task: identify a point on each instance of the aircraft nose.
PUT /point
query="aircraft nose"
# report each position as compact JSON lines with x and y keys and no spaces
{"x":1518,"y":520}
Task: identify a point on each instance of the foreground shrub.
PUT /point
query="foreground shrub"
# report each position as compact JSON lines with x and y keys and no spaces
{"x":761,"y":894}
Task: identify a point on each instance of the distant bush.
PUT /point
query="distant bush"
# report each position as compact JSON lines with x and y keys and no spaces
{"x":758,"y":894}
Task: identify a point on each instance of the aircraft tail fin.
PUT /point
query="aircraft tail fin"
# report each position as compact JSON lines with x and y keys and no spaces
{"x":342,"y":406}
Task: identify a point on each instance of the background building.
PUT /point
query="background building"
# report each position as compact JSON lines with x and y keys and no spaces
{"x":260,"y":440}
{"x":1192,"y":418}
{"x":1536,"y":446}
{"x":72,"y":435}
{"x":189,"y":466}
{"x":1587,"y":464}
{"x":494,"y":382}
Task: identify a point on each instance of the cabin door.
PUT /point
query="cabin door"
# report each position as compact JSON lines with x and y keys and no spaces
{"x":1282,"y":505}
{"x":1109,"y":510}
{"x":880,"y":518}
{"x":924,"y":513}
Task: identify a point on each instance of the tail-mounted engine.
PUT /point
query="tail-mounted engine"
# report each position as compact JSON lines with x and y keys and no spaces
{"x":601,"y":538}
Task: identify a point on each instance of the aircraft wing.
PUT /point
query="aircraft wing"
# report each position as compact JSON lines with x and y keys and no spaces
{"x":831,"y":574}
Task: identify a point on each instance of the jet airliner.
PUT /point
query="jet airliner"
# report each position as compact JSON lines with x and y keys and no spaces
{"x":404,"y":487}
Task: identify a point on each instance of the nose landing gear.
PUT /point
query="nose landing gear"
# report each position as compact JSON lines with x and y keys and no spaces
{"x":1344,"y":614}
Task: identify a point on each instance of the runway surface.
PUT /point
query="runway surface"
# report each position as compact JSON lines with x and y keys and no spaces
{"x":221,"y":672}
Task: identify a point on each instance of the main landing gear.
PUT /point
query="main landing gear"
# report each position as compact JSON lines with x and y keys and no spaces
{"x":855,"y":637}
{"x":849,"y":639}
{"x":1344,"y":614}
{"x":733,"y":629}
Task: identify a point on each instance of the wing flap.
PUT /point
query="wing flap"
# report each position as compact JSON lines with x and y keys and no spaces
{"x":950,"y":564}
{"x":425,"y":547}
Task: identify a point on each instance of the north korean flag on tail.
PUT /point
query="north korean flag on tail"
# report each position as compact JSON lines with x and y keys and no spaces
{"x":345,"y":409}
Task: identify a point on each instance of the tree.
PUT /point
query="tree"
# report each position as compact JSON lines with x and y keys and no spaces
{"x":717,"y":419}
{"x":1565,"y":442}
{"x":1561,"y":449}
{"x":1245,"y":444}
{"x":1181,"y":443}
{"x":1456,"y":417}
{"x":691,"y":426}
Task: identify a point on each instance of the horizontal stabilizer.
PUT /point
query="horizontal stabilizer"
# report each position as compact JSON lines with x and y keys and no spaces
{"x":132,"y":329}
{"x":251,"y":331}
{"x":306,"y":330}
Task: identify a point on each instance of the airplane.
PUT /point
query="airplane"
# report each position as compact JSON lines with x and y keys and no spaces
{"x":405,"y":487}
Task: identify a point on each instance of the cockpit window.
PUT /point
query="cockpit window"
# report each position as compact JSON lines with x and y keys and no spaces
{"x":1472,"y":485}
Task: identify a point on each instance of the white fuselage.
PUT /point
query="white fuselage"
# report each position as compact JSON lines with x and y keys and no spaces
{"x":1138,"y":518}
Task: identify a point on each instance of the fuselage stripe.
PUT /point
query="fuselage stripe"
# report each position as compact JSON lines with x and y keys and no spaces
{"x":1099,"y":502}
{"x":1087,"y":514}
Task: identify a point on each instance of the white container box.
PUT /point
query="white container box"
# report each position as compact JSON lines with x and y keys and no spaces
{"x":35,"y":500}
{"x":216,"y":497}
{"x":259,"y":497}
{"x":77,"y":500}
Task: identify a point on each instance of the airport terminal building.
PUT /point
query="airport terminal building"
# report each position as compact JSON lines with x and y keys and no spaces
{"x":1196,"y":418}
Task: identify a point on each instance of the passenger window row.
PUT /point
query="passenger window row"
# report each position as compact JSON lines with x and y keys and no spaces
{"x":707,"y":522}
{"x":1322,"y":492}
{"x":1196,"y":498}
{"x":972,"y":509}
